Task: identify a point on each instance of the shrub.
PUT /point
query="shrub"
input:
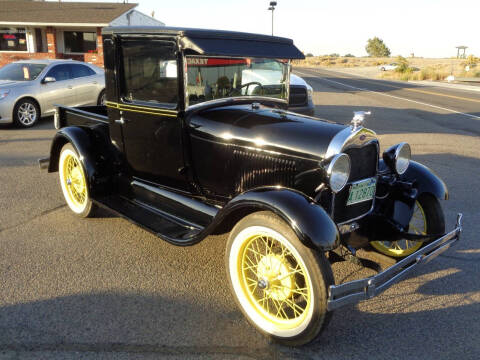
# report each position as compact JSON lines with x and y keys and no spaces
{"x":349,"y":55}
{"x":403,"y":65}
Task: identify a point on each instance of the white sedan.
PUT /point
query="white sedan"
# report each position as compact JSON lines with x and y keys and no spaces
{"x":388,"y":67}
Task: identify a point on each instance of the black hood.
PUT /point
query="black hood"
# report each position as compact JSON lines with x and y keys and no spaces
{"x":273,"y":130}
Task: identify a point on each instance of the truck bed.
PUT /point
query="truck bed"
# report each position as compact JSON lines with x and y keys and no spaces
{"x":81,"y":116}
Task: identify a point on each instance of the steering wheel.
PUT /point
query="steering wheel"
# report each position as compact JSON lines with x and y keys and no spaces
{"x":247,"y":85}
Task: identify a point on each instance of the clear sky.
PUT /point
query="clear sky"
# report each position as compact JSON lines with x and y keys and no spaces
{"x":428,"y":28}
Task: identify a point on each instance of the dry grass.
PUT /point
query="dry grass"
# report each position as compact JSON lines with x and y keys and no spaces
{"x":419,"y":68}
{"x":343,"y":62}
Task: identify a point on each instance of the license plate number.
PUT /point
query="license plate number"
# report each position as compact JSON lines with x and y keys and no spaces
{"x":361,"y":191}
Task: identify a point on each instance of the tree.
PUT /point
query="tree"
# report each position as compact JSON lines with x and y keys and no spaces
{"x":377,"y":48}
{"x":309,"y":55}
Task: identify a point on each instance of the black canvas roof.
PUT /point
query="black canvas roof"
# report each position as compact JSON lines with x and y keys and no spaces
{"x":219,"y":42}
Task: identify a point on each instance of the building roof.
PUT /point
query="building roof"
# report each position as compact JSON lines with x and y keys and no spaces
{"x":23,"y":12}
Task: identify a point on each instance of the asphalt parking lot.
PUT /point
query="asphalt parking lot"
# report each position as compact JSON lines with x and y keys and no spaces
{"x":103,"y":288}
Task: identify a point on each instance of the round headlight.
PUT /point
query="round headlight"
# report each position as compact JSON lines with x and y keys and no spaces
{"x":338,"y":172}
{"x":402,"y":158}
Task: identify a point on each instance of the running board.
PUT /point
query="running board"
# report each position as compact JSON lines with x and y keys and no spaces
{"x":355,"y":291}
{"x":166,"y":226}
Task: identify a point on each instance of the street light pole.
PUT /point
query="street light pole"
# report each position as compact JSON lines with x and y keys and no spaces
{"x":272,"y":8}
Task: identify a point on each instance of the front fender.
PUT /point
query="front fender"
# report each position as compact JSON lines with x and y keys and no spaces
{"x":309,"y":221}
{"x":87,"y":148}
{"x":427,"y":180}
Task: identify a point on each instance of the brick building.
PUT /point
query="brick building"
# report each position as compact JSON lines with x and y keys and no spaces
{"x":61,"y":30}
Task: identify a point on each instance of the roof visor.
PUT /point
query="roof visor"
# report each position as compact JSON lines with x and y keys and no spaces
{"x":242,"y":47}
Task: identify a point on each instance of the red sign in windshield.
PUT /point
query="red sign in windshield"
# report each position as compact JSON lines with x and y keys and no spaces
{"x":216,"y":61}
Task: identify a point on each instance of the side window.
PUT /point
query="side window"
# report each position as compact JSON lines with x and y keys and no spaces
{"x":81,"y":71}
{"x":149,"y":72}
{"x":60,"y":72}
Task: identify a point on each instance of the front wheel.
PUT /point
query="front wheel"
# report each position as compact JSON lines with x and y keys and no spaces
{"x":279,"y":284}
{"x":427,"y":218}
{"x":26,"y":113}
{"x":74,"y":182}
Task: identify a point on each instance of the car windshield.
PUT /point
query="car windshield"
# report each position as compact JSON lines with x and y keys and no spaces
{"x":211,"y":78}
{"x":21,"y":71}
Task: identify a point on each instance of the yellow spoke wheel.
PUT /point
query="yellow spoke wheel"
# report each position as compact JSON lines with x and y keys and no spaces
{"x":427,"y":218}
{"x":275,"y":279}
{"x":74,"y":182}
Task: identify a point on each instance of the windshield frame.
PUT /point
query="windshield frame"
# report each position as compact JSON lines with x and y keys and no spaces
{"x":233,"y":99}
{"x":45,"y":66}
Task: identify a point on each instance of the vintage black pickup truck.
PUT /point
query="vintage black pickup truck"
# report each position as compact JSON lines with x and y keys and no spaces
{"x":195,"y":139}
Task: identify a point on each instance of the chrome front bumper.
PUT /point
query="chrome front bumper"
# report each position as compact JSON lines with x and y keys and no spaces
{"x":355,"y":291}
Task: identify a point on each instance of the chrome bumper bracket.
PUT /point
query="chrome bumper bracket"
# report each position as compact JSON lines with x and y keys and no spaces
{"x":44,"y":163}
{"x":357,"y":290}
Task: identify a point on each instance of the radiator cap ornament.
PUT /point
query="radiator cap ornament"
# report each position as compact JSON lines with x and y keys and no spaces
{"x":358,"y":119}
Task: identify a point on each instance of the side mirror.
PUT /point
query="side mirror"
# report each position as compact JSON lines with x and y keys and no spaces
{"x":49,"y":79}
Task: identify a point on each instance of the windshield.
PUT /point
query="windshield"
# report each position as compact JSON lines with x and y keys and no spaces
{"x":211,"y":78}
{"x":21,"y":71}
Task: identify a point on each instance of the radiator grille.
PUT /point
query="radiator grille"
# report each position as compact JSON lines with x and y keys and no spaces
{"x":261,"y":170}
{"x":363,"y":166}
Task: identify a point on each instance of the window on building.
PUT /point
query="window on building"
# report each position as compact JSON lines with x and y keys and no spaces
{"x":147,"y":72}
{"x":80,"y":42}
{"x":39,"y":40}
{"x":13,"y":39}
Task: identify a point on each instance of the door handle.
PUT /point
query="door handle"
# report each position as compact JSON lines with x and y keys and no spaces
{"x":69,"y":87}
{"x":121,"y":121}
{"x":95,"y":82}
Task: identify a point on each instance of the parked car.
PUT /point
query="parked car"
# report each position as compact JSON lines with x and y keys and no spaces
{"x":301,"y":96}
{"x":186,"y":155}
{"x":30,"y":89}
{"x":388,"y":67}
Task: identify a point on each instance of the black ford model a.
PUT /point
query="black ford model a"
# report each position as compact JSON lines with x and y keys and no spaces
{"x":195,"y":139}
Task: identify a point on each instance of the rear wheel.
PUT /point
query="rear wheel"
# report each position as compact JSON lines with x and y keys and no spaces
{"x":74,"y":182}
{"x":279,"y":284}
{"x":26,"y":113}
{"x":427,"y":218}
{"x":101,"y":98}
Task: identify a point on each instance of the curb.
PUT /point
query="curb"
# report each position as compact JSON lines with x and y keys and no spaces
{"x":446,"y":85}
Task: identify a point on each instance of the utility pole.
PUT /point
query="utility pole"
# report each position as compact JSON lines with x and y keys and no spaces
{"x":272,"y":8}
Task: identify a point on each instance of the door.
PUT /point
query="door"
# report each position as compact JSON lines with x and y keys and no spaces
{"x":152,"y":131}
{"x":85,"y":83}
{"x":59,"y":92}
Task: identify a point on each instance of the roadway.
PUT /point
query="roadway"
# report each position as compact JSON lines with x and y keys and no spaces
{"x":104,"y":288}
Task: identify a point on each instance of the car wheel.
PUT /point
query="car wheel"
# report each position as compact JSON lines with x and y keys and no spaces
{"x":427,"y":218}
{"x":101,"y":98}
{"x":280,"y":285}
{"x":74,"y":182}
{"x":26,"y":113}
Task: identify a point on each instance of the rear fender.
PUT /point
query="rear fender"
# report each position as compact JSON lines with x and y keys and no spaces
{"x":308,"y":220}
{"x":88,"y":148}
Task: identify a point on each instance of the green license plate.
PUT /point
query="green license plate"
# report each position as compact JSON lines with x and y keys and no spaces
{"x":361,"y":191}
